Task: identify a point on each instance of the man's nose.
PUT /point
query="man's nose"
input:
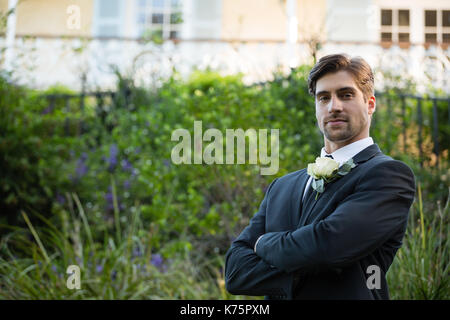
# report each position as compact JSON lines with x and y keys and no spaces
{"x":335,"y":105}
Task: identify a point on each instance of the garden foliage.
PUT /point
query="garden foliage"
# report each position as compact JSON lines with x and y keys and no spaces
{"x":99,"y":187}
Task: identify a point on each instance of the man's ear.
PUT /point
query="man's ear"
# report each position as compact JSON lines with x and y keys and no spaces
{"x":372,"y":105}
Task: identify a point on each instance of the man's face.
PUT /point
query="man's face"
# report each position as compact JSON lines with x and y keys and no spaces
{"x":342,"y":114}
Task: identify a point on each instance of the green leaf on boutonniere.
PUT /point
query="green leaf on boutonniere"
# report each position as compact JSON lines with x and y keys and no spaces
{"x":346,"y":167}
{"x":318,"y":185}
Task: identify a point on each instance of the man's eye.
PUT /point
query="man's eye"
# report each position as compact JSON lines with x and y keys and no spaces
{"x":323,"y":99}
{"x":347,"y":95}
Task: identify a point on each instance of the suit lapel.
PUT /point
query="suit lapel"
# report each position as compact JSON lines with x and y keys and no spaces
{"x":359,"y":158}
{"x":367,"y":153}
{"x":296,"y":198}
{"x":311,"y":203}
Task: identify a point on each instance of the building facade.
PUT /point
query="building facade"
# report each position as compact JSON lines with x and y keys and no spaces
{"x":63,"y":41}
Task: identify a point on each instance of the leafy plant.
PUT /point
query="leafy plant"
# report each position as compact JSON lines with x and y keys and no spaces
{"x":421,"y":268}
{"x":90,"y":181}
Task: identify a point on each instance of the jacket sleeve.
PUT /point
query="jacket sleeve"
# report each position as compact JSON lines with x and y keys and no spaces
{"x":245,"y":272}
{"x":366,"y":218}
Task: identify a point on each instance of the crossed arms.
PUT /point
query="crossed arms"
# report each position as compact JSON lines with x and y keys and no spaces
{"x":363,"y":221}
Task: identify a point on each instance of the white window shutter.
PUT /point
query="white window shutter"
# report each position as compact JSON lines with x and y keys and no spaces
{"x":206,"y":19}
{"x":109,"y":18}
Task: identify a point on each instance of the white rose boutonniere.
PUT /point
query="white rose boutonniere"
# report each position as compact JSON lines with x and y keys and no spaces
{"x":326,"y":170}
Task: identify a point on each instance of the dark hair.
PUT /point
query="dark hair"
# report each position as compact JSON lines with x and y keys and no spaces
{"x":357,"y":66}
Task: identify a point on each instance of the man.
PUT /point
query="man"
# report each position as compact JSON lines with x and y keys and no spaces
{"x":334,"y":240}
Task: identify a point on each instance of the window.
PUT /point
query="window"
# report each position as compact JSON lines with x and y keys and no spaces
{"x":386,"y":36}
{"x":446,"y":18}
{"x":403,"y":18}
{"x":162,"y":17}
{"x":108,"y":18}
{"x":386,"y":17}
{"x":395,"y":26}
{"x":430,"y":18}
{"x":437,"y":26}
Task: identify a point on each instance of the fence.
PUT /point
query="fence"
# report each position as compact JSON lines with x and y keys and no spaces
{"x":99,"y":96}
{"x":417,"y":118}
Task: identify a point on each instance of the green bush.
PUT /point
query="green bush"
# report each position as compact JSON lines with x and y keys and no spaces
{"x":35,"y":150}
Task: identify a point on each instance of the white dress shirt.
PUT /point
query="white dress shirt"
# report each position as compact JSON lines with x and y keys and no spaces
{"x":344,"y":154}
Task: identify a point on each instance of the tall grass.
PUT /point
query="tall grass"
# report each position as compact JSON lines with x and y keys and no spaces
{"x":420,"y":269}
{"x":121,"y":263}
{"x":33,"y":266}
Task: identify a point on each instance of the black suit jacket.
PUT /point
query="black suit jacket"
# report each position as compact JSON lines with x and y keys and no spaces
{"x":323,"y":251}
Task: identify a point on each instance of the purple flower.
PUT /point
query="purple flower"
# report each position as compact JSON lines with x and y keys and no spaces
{"x":109,"y":198}
{"x":83,"y":156}
{"x":112,"y":160}
{"x":113,"y":275}
{"x":81,"y":168}
{"x":137,"y":252}
{"x":110,"y":192}
{"x":157,"y":260}
{"x":112,"y":163}
{"x":46,"y":110}
{"x":166,"y":163}
{"x":54,"y":269}
{"x":113,"y":150}
{"x":126,"y":184}
{"x":126,"y":165}
{"x":61,"y":200}
{"x":99,"y":268}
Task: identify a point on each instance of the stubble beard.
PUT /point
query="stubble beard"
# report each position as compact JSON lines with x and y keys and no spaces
{"x":347,"y":131}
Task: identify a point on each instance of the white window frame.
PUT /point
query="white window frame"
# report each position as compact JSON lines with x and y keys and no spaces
{"x":439,"y":30}
{"x":395,"y":28}
{"x":167,"y":11}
